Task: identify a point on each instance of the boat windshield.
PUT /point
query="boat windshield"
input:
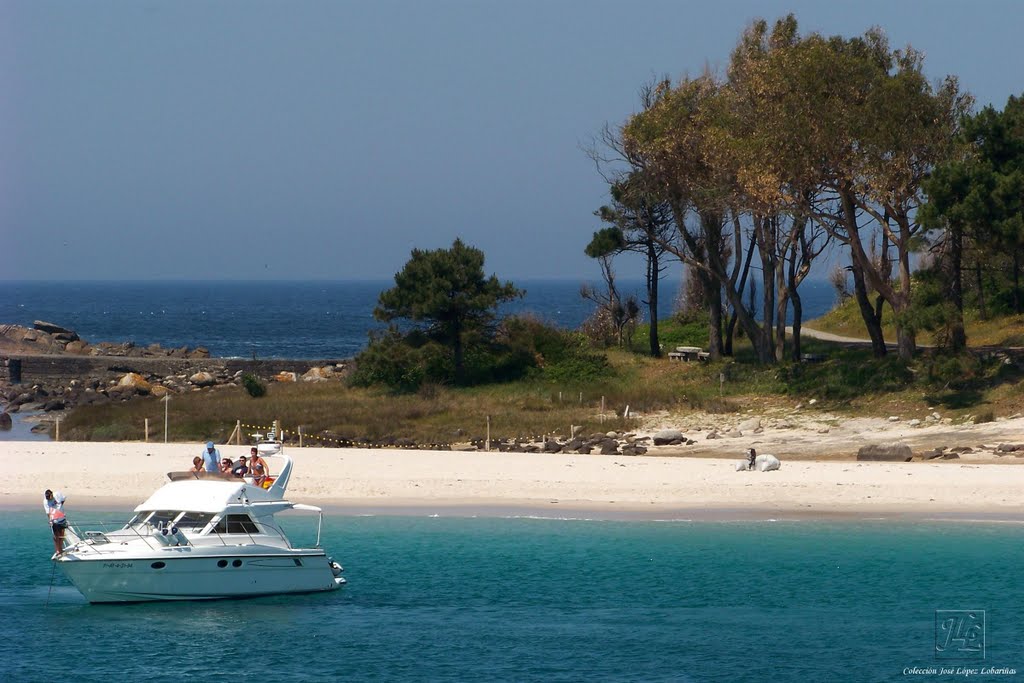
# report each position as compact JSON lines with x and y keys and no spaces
{"x":194,"y":520}
{"x":157,"y":517}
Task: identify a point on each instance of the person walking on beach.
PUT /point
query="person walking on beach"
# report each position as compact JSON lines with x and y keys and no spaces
{"x":211,"y":458}
{"x":53,"y":505}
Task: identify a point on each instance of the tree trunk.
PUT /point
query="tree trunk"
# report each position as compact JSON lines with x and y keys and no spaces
{"x":653,"y":272}
{"x":1016,"y":281}
{"x":798,"y":312}
{"x":906,"y":342}
{"x":957,"y":335}
{"x":981,"y":290}
{"x":874,"y":327}
{"x":457,"y":351}
{"x":714,"y":302}
{"x":730,"y":333}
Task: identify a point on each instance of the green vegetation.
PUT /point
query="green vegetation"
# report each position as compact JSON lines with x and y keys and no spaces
{"x":565,"y":387}
{"x":253,"y":385}
{"x":445,"y":294}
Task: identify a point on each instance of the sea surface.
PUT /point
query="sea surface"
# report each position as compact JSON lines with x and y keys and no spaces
{"x":519,"y":599}
{"x":318,"y":320}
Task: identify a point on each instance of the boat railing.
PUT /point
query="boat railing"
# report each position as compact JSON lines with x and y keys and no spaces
{"x":99,"y":534}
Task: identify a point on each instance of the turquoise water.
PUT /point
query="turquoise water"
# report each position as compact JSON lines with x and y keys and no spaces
{"x":526,"y":599}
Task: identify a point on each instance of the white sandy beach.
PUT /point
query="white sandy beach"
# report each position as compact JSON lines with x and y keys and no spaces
{"x":117,"y":476}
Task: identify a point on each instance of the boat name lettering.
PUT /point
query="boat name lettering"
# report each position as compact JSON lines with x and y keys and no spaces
{"x":117,"y":565}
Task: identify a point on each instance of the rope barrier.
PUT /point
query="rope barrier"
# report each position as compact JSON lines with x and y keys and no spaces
{"x":350,"y":443}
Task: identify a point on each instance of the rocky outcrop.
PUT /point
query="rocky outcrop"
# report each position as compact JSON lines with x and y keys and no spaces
{"x":888,"y":452}
{"x":203,"y":379}
{"x":136,"y":382}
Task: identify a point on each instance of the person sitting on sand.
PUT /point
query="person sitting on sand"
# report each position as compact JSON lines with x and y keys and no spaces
{"x":226,"y":465}
{"x":197,"y":465}
{"x":751,"y":457}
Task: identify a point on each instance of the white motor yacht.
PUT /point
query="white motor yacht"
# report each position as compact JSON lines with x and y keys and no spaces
{"x":201,"y":536}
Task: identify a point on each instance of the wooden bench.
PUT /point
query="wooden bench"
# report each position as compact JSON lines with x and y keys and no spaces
{"x":688,"y":353}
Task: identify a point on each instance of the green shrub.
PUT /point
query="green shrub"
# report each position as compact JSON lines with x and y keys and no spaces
{"x":253,"y":385}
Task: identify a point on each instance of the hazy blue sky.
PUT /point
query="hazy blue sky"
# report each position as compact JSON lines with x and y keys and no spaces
{"x":297,"y":140}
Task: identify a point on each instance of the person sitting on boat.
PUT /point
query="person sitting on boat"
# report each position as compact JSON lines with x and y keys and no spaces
{"x":54,"y":507}
{"x":259,"y":474}
{"x":211,"y":457}
{"x":197,"y":465}
{"x":241,"y":468}
{"x":226,"y":465}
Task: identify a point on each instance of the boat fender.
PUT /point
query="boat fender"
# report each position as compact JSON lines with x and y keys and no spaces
{"x":161,"y":535}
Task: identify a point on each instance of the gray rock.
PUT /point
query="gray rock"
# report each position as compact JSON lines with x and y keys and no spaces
{"x":552,"y":447}
{"x":609,"y":447}
{"x":51,"y":328}
{"x":5,"y":422}
{"x":950,"y":456}
{"x":202,"y":379}
{"x":667,"y":436}
{"x":749,"y":425}
{"x":886,"y":452}
{"x":1007,"y":448}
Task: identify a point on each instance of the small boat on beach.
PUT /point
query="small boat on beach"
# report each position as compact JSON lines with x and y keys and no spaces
{"x":201,"y":536}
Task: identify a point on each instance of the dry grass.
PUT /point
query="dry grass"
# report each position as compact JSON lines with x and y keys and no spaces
{"x":850,"y":382}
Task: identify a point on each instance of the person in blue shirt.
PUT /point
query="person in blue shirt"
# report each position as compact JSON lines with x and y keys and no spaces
{"x":211,"y":458}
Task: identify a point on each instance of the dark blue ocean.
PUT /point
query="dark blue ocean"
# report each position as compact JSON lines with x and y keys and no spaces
{"x":483,"y":599}
{"x":274,"y":319}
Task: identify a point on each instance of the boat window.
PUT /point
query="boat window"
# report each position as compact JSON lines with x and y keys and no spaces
{"x":194,"y":520}
{"x":236,"y":524}
{"x":163,"y":517}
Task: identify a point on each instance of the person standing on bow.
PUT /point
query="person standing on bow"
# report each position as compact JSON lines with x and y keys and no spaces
{"x":211,"y":458}
{"x":54,"y":507}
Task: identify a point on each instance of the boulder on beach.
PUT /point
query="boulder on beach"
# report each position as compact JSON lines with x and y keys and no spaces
{"x":667,"y":436}
{"x":885,"y":452}
{"x":136,"y":382}
{"x":202,"y":379}
{"x":285,"y":377}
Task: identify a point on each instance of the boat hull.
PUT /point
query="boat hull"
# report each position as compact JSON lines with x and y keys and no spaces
{"x":198,"y":577}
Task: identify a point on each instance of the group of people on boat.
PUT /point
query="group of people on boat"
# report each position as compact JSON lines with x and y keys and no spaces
{"x":254,"y":466}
